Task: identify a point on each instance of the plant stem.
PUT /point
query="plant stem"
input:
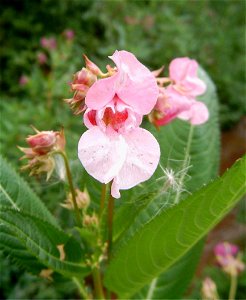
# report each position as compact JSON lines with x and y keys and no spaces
{"x":110,"y":224}
{"x":103,"y":198}
{"x":97,"y":283}
{"x":233,"y":287}
{"x":70,"y":182}
{"x":186,"y":160}
{"x":81,"y":289}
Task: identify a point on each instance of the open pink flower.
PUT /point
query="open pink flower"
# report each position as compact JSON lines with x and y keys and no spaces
{"x":115,"y":148}
{"x":178,"y":100}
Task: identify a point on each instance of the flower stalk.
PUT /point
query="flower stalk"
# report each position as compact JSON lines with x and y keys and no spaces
{"x":97,"y":283}
{"x":233,"y":287}
{"x":110,"y":225}
{"x":71,"y":186}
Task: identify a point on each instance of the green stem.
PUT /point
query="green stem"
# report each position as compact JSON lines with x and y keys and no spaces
{"x":110,"y":224}
{"x":97,"y":283}
{"x":81,"y":289}
{"x":186,"y":161}
{"x":233,"y":287}
{"x":103,"y":198}
{"x":71,"y":186}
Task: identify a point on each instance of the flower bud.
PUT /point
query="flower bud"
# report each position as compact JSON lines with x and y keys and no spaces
{"x":39,"y":154}
{"x":92,"y":66}
{"x":82,"y":199}
{"x":209,"y":289}
{"x":43,"y":142}
{"x":90,"y":221}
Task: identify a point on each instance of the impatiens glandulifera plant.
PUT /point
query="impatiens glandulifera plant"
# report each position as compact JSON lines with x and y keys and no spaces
{"x":145,"y":244}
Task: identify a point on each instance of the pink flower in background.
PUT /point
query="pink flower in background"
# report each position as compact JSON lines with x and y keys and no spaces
{"x":224,"y":249}
{"x":42,"y":58}
{"x":48,"y":43}
{"x":115,"y":148}
{"x":178,"y":100}
{"x":23,"y":80}
{"x":226,"y":256}
{"x":69,"y":34}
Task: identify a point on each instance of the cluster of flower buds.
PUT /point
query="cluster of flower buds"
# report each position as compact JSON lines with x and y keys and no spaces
{"x":228,"y":258}
{"x":82,"y":81}
{"x":177,"y":94}
{"x":209,"y":289}
{"x":90,"y":221}
{"x":82,"y":200}
{"x":41,"y":147}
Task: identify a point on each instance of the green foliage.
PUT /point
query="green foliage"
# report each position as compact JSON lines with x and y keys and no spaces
{"x":29,"y":233}
{"x":41,"y":240}
{"x":173,"y":232}
{"x":17,"y":195}
{"x":156,"y":31}
{"x":179,"y":275}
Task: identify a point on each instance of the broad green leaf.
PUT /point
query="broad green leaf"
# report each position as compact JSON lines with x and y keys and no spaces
{"x":26,"y":237}
{"x":167,"y":237}
{"x":173,"y":283}
{"x":15,"y":193}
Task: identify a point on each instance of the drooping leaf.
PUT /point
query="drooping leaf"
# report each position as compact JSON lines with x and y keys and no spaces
{"x":162,"y":241}
{"x":26,"y":237}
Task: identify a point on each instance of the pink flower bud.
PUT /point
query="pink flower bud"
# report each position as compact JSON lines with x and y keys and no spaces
{"x":92,"y":67}
{"x":209,"y":289}
{"x":39,"y":155}
{"x":42,"y":142}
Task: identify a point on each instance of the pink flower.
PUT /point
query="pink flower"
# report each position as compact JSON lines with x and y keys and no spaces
{"x":48,"y":43}
{"x":178,"y":100}
{"x":23,"y":80}
{"x":226,"y":256}
{"x":115,"y":148}
{"x":69,"y":34}
{"x":42,"y":58}
{"x":224,"y":249}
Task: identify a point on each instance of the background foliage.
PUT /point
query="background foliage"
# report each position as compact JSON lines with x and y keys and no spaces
{"x":156,"y":31}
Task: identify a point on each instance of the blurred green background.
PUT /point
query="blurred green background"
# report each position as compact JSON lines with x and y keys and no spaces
{"x":212,"y":32}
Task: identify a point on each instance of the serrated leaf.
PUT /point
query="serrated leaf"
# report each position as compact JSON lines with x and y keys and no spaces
{"x":16,"y":194}
{"x":161,"y":242}
{"x":39,"y":239}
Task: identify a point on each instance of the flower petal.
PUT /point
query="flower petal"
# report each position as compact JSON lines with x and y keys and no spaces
{"x":197,"y":114}
{"x":102,"y":153}
{"x":136,"y":85}
{"x":142,"y":158}
{"x":101,"y":92}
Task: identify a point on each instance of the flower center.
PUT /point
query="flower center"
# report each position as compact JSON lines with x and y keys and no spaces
{"x":115,"y":119}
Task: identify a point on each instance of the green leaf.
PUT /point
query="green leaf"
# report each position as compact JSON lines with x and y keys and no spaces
{"x":167,"y":237}
{"x":173,"y":283}
{"x":26,"y":237}
{"x":15,"y":193}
